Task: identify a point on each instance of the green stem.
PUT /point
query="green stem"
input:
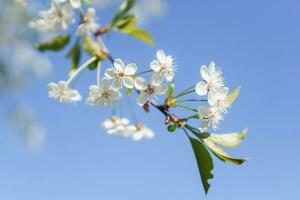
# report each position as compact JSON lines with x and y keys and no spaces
{"x":186,"y":107}
{"x":190,"y":100}
{"x":80,"y":69}
{"x":144,"y":72}
{"x":184,"y":93}
{"x":99,"y":74}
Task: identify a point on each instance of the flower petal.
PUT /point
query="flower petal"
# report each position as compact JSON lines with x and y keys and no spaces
{"x":128,"y":82}
{"x":110,"y":73}
{"x":75,"y":3}
{"x":155,"y":65}
{"x":142,"y":99}
{"x":130,"y":69}
{"x":104,"y":84}
{"x":201,"y":88}
{"x":203,"y":111}
{"x":161,"y":56}
{"x":161,"y":89}
{"x":205,"y":74}
{"x":157,"y":78}
{"x":140,"y":83}
{"x":119,"y":64}
{"x":117,"y":84}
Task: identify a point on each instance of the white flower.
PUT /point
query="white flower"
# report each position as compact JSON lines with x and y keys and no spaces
{"x":163,"y":67}
{"x":57,"y":18}
{"x":148,"y":91}
{"x":212,"y":81}
{"x":118,"y":126}
{"x":88,"y":24}
{"x":121,"y":74}
{"x":103,"y":94}
{"x":218,"y":99}
{"x":142,"y":132}
{"x":211,"y":117}
{"x":63,"y":93}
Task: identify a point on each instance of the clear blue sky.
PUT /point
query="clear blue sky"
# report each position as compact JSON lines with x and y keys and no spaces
{"x":257,"y":44}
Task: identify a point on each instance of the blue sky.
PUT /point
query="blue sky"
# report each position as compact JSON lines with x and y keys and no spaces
{"x":256,"y":43}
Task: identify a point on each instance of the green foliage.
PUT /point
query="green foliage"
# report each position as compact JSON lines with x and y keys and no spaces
{"x":172,"y":127}
{"x":75,"y":55}
{"x":128,"y":25}
{"x":123,"y":10}
{"x":54,"y":44}
{"x":94,"y":64}
{"x":204,"y":161}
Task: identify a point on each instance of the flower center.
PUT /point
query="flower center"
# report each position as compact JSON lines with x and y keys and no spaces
{"x":149,"y":90}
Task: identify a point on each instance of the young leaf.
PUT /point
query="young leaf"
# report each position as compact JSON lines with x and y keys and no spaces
{"x":75,"y":55}
{"x":123,"y":9}
{"x":94,"y":64}
{"x":221,"y":154}
{"x":228,"y":139}
{"x":172,"y":127}
{"x":204,"y":161}
{"x":232,"y":96}
{"x":128,"y":26}
{"x":171,"y":90}
{"x":55,"y":44}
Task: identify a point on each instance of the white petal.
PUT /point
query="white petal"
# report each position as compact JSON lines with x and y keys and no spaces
{"x":110,"y":73}
{"x":128,"y":82}
{"x":204,"y":71}
{"x":161,"y":56}
{"x":142,"y":99}
{"x":203,"y":111}
{"x":104,"y":84}
{"x":201,"y":88}
{"x":130,"y":69}
{"x":169,"y":61}
{"x":75,"y":3}
{"x":115,"y":95}
{"x":155,"y":65}
{"x":91,"y":13}
{"x":212,"y":98}
{"x":116,"y":84}
{"x":161,"y":89}
{"x":119,"y":65}
{"x":140,"y":83}
{"x":157,"y":78}
{"x":169,"y":76}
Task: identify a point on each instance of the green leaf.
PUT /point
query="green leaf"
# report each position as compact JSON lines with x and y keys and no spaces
{"x":204,"y":161}
{"x":123,"y":10}
{"x":94,"y":64}
{"x":221,"y":154}
{"x":55,"y":44}
{"x":232,"y":96}
{"x":172,"y":127}
{"x":228,"y":139}
{"x":87,"y":1}
{"x":75,"y":55}
{"x":91,"y":47}
{"x":128,"y":26}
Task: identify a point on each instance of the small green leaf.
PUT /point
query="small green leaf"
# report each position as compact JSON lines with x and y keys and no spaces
{"x":55,"y":44}
{"x":232,"y":96}
{"x":172,"y":128}
{"x":228,"y":139}
{"x":123,"y":9}
{"x":128,"y":26}
{"x":91,"y":47}
{"x":204,"y":161}
{"x":221,"y":154}
{"x":94,"y":64}
{"x":75,"y":55}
